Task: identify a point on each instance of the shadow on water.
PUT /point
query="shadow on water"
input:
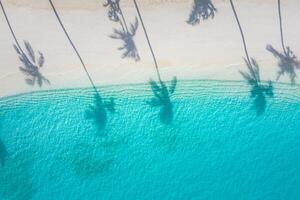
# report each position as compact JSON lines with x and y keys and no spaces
{"x":3,"y":153}
{"x":287,"y":61}
{"x":15,"y":177}
{"x":87,"y":165}
{"x":125,"y":34}
{"x":98,"y":111}
{"x":201,"y":9}
{"x":162,"y":93}
{"x":259,"y":91}
{"x":162,"y":99}
{"x":94,"y":158}
{"x":31,"y":65}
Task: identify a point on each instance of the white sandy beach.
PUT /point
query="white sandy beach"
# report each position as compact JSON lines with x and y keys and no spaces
{"x":211,"y":50}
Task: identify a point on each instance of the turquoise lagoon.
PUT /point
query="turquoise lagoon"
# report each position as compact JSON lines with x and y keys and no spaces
{"x":220,"y":144}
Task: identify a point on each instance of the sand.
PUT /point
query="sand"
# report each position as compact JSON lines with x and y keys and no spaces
{"x":210,"y":50}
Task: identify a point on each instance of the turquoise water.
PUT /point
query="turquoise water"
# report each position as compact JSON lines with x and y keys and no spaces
{"x":58,"y":145}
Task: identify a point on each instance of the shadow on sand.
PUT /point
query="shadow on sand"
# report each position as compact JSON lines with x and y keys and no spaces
{"x":201,"y":10}
{"x":125,"y":34}
{"x":31,"y":65}
{"x":129,"y":47}
{"x":259,"y":90}
{"x":287,"y":63}
{"x":98,"y":111}
{"x":162,"y":99}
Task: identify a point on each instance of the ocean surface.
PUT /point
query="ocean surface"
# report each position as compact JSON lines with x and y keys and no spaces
{"x":209,"y":140}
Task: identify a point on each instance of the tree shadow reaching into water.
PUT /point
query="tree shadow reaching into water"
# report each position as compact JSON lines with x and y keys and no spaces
{"x":259,"y":91}
{"x":97,"y":111}
{"x":162,"y":93}
{"x":287,"y":61}
{"x":3,"y":153}
{"x":162,"y":99}
{"x":31,"y":64}
{"x":125,"y":34}
{"x":201,"y":10}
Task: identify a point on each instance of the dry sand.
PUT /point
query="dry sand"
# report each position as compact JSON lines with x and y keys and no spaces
{"x":210,"y":50}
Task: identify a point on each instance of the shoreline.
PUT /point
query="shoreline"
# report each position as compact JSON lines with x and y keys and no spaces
{"x":146,"y":85}
{"x":211,"y":50}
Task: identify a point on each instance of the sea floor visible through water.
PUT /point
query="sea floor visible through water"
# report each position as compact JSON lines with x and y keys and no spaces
{"x":219,"y":143}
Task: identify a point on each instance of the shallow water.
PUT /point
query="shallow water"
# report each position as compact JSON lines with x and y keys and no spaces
{"x":63,"y":145}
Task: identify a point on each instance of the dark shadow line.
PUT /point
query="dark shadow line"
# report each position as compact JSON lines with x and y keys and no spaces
{"x":72,"y":44}
{"x":124,"y":21}
{"x":11,"y":30}
{"x":241,"y":31}
{"x":281,"y":29}
{"x":148,"y":40}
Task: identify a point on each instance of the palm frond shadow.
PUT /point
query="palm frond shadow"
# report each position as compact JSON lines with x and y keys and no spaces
{"x":114,"y":9}
{"x":162,"y":99}
{"x":3,"y":153}
{"x":31,"y":65}
{"x":125,"y":34}
{"x":259,"y":91}
{"x":98,"y":111}
{"x":287,"y":63}
{"x":127,"y":37}
{"x":201,"y":10}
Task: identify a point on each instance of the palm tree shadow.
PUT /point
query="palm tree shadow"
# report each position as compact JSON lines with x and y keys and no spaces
{"x":259,"y":91}
{"x":3,"y":153}
{"x":162,"y":99}
{"x":127,"y":37}
{"x":287,"y":63}
{"x":113,"y":9}
{"x":31,"y":65}
{"x":125,"y":34}
{"x":98,"y":111}
{"x":201,"y":9}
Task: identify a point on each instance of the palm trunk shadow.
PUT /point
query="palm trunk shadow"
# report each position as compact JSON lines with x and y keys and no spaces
{"x":97,"y":111}
{"x":125,"y":34}
{"x":201,"y":10}
{"x":258,"y":91}
{"x":161,"y":92}
{"x":31,"y":65}
{"x":287,"y":61}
